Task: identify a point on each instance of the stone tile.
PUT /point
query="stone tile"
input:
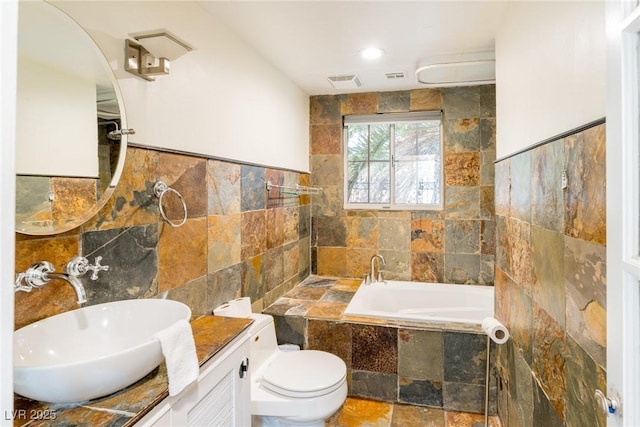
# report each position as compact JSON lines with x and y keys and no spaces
{"x":461,"y":268}
{"x":544,"y":413}
{"x":520,"y":193}
{"x":426,"y":99}
{"x":375,"y":349}
{"x":327,"y":169}
{"x":285,"y":305}
{"x":503,"y":243}
{"x":548,"y":272}
{"x":487,"y":270}
{"x":223,"y":241}
{"x":462,"y":237}
{"x":487,"y":237}
{"x":362,"y":412}
{"x":461,"y":135}
{"x":132,"y":256}
{"x":394,"y":234}
{"x":318,"y":282}
{"x":416,"y":416}
{"x":32,"y":199}
{"x":420,"y":392}
{"x":333,"y":295}
{"x":187,"y":175}
{"x":290,"y":329}
{"x":503,"y":187}
{"x":394,"y":102}
{"x":547,"y":196}
{"x":307,"y":293}
{"x":304,"y":257}
{"x":325,"y":109}
{"x":549,"y":360}
{"x":420,"y":354}
{"x":427,"y":235}
{"x":522,"y":383}
{"x":503,"y":287}
{"x":583,"y":377}
{"x":182,"y":253}
{"x":462,"y":169}
{"x":462,"y":202}
{"x":359,"y":261}
{"x":487,"y":167}
{"x":463,"y":397}
{"x":325,"y":139}
{"x":304,"y":180}
{"x":461,"y":102}
{"x":350,"y":285}
{"x":274,"y":268}
{"x":464,"y":419}
{"x":253,"y":270}
{"x":487,"y":100}
{"x":193,"y":294}
{"x":585,"y":270}
{"x":327,"y":310}
{"x":329,"y":231}
{"x":333,"y":337}
{"x":427,"y":267}
{"x":253,"y":233}
{"x":362,"y":232}
{"x":75,"y":197}
{"x":328,"y":202}
{"x":398,"y":266}
{"x":253,"y":194}
{"x":374,"y":385}
{"x":585,"y":198}
{"x":304,"y":221}
{"x":360,"y":103}
{"x":223,"y":187}
{"x":275,"y":227}
{"x":464,"y":357}
{"x":332,"y":261}
{"x":273,"y":196}
{"x":290,"y":224}
{"x":521,"y":321}
{"x":224,"y":285}
{"x":488,"y":134}
{"x":521,"y":257}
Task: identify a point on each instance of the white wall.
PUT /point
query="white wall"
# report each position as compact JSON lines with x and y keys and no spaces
{"x":222,"y":99}
{"x":550,"y":71}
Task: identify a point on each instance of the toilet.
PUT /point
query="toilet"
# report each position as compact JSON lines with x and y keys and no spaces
{"x":291,"y":388}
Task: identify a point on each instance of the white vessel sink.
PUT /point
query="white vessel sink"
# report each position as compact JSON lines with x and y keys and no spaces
{"x":93,"y":351}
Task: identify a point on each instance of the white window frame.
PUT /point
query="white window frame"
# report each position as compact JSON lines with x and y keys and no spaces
{"x":391,"y":118}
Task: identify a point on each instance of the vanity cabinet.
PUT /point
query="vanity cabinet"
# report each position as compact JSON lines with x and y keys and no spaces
{"x":220,"y":397}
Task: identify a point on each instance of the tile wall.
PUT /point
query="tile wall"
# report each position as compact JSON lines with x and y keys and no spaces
{"x":454,"y":245}
{"x":238,"y":239}
{"x":551,"y":282}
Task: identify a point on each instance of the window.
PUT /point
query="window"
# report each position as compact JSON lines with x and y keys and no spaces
{"x":393,"y":161}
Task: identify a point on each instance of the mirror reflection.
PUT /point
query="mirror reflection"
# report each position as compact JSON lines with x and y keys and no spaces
{"x":69,"y":149}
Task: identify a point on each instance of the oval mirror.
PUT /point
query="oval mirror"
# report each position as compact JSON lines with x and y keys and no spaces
{"x":70,"y":147}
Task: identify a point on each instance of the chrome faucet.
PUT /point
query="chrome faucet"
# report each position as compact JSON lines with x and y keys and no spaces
{"x":373,"y":276}
{"x":41,"y":273}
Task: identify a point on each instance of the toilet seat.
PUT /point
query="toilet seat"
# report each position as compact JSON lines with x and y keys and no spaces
{"x":304,"y":374}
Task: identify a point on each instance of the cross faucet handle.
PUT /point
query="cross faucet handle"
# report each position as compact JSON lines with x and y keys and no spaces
{"x":78,"y":266}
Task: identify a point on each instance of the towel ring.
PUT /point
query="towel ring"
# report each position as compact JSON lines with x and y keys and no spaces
{"x":160,"y":189}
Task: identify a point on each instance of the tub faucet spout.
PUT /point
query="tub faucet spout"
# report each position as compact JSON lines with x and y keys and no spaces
{"x":381,"y":262}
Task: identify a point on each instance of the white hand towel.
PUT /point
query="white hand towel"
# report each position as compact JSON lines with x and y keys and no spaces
{"x":179,"y":350}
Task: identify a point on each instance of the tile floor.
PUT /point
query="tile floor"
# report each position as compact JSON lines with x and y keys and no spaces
{"x":358,"y":412}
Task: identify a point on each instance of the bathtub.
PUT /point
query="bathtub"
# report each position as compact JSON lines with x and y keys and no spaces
{"x":423,"y":302}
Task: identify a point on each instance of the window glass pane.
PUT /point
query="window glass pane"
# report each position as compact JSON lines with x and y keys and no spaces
{"x":358,"y":182}
{"x":418,"y":181}
{"x":379,"y":183}
{"x":406,"y":139}
{"x":357,"y":142}
{"x":379,"y":142}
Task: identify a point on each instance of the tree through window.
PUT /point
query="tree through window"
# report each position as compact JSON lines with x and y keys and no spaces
{"x":393,"y":161}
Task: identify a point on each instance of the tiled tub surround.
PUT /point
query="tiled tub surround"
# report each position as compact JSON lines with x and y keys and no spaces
{"x":127,"y":406}
{"x":454,"y":245}
{"x":551,"y":282}
{"x":432,"y":365}
{"x":238,"y":239}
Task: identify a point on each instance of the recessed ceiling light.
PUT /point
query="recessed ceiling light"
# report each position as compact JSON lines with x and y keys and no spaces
{"x":371,"y":53}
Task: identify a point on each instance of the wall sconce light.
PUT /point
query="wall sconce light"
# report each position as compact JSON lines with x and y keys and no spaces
{"x":152,"y":52}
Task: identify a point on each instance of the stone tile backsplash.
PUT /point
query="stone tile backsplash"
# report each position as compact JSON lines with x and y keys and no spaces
{"x":238,"y":239}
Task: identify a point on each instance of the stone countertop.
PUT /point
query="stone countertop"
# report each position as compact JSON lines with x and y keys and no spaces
{"x":127,"y":406}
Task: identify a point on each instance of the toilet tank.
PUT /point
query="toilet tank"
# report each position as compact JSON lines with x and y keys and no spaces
{"x":262,"y":338}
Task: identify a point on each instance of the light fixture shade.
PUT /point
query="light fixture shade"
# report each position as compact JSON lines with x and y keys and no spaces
{"x":163,"y":44}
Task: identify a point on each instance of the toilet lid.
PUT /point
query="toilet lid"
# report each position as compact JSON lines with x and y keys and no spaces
{"x":305,"y":373}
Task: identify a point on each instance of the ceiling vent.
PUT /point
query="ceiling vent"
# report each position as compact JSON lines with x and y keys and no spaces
{"x":345,"y":81}
{"x":395,"y":76}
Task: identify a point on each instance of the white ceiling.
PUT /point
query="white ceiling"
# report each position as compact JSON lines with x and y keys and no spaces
{"x":312,"y":40}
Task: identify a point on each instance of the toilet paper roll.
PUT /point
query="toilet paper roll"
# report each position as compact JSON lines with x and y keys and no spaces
{"x":240,"y":307}
{"x":495,"y":330}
